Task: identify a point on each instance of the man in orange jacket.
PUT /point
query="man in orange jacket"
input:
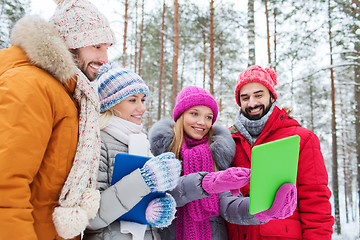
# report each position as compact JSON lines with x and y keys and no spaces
{"x":261,"y":120}
{"x":48,"y":120}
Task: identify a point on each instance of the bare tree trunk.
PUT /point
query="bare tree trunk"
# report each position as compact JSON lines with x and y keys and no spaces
{"x":333,"y":133}
{"x":357,"y":107}
{"x":292,"y":82}
{"x":267,"y":32}
{"x":141,"y":36}
{"x":357,"y":119}
{"x":345,"y":157}
{"x":125,"y":31}
{"x":275,"y":33}
{"x":204,"y":57}
{"x":311,"y":104}
{"x":161,"y":61}
{"x":221,"y":84}
{"x":212,"y":61}
{"x":164,"y":97}
{"x":175,"y":54}
{"x":136,"y":35}
{"x":183,"y":67}
{"x":347,"y":181}
{"x":251,"y":32}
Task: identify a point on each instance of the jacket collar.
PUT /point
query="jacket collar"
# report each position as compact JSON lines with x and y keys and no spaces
{"x":278,"y":119}
{"x":44,"y":47}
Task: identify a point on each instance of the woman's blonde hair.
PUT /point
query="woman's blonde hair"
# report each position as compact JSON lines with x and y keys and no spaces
{"x":178,"y":139}
{"x":105,"y":118}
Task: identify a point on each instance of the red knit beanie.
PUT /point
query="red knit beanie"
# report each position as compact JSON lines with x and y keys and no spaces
{"x":265,"y":76}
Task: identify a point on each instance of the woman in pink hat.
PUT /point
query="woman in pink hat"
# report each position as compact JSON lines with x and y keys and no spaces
{"x":206,"y":152}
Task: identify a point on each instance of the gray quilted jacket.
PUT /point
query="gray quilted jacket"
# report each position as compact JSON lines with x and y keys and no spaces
{"x":117,"y":199}
{"x":231,"y":209}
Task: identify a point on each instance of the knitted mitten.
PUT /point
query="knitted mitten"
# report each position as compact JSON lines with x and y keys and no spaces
{"x":161,"y":173}
{"x":231,"y":179}
{"x":283,"y":206}
{"x":161,"y":211}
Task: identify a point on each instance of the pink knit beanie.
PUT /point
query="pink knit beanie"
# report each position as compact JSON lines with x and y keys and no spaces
{"x":192,"y":96}
{"x":81,"y":24}
{"x":266,"y":77}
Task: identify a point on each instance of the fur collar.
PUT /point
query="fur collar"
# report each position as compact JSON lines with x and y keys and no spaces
{"x":44,"y":47}
{"x":222,"y":144}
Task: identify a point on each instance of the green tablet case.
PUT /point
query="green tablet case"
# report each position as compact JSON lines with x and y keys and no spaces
{"x":272,"y":165}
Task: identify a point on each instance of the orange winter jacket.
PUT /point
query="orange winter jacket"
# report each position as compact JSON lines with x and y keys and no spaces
{"x":38,"y":133}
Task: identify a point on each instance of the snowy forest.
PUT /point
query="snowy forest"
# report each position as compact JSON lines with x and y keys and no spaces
{"x":314,"y":46}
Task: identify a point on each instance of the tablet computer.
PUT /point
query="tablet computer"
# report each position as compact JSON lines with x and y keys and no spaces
{"x":272,"y":164}
{"x":125,"y":164}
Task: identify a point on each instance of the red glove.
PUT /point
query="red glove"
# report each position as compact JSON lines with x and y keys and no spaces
{"x":231,"y":179}
{"x":283,"y":206}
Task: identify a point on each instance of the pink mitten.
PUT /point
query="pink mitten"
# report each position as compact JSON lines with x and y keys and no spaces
{"x":283,"y":206}
{"x":231,"y":179}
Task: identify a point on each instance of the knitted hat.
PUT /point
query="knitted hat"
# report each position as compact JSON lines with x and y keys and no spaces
{"x":81,"y":24}
{"x":266,"y":77}
{"x":194,"y":96}
{"x":116,"y":84}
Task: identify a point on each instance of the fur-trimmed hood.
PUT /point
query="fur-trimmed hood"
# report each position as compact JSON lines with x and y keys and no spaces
{"x":44,"y":47}
{"x":222,"y":144}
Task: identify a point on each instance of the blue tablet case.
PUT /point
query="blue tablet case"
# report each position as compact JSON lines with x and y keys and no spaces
{"x":272,"y":164}
{"x":125,"y":164}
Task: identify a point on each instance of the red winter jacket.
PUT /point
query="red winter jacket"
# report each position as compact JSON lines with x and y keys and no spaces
{"x":312,"y":218}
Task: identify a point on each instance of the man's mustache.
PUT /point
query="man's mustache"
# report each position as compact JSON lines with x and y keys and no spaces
{"x":249,"y":109}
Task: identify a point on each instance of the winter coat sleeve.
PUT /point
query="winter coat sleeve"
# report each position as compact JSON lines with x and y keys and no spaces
{"x":118,"y":199}
{"x":313,"y":193}
{"x":25,"y":127}
{"x":189,"y":189}
{"x":235,"y":209}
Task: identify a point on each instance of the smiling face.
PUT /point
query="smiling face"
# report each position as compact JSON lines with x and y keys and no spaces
{"x":91,"y":58}
{"x":255,"y":100}
{"x":131,"y":109}
{"x":197,"y":121}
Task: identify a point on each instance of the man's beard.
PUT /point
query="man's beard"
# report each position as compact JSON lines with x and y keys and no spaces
{"x":257,"y":116}
{"x":84,"y":68}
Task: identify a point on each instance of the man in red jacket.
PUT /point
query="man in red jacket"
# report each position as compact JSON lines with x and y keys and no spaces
{"x":260,"y":120}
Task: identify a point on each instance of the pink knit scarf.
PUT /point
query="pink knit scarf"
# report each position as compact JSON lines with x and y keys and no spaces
{"x":193,"y":218}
